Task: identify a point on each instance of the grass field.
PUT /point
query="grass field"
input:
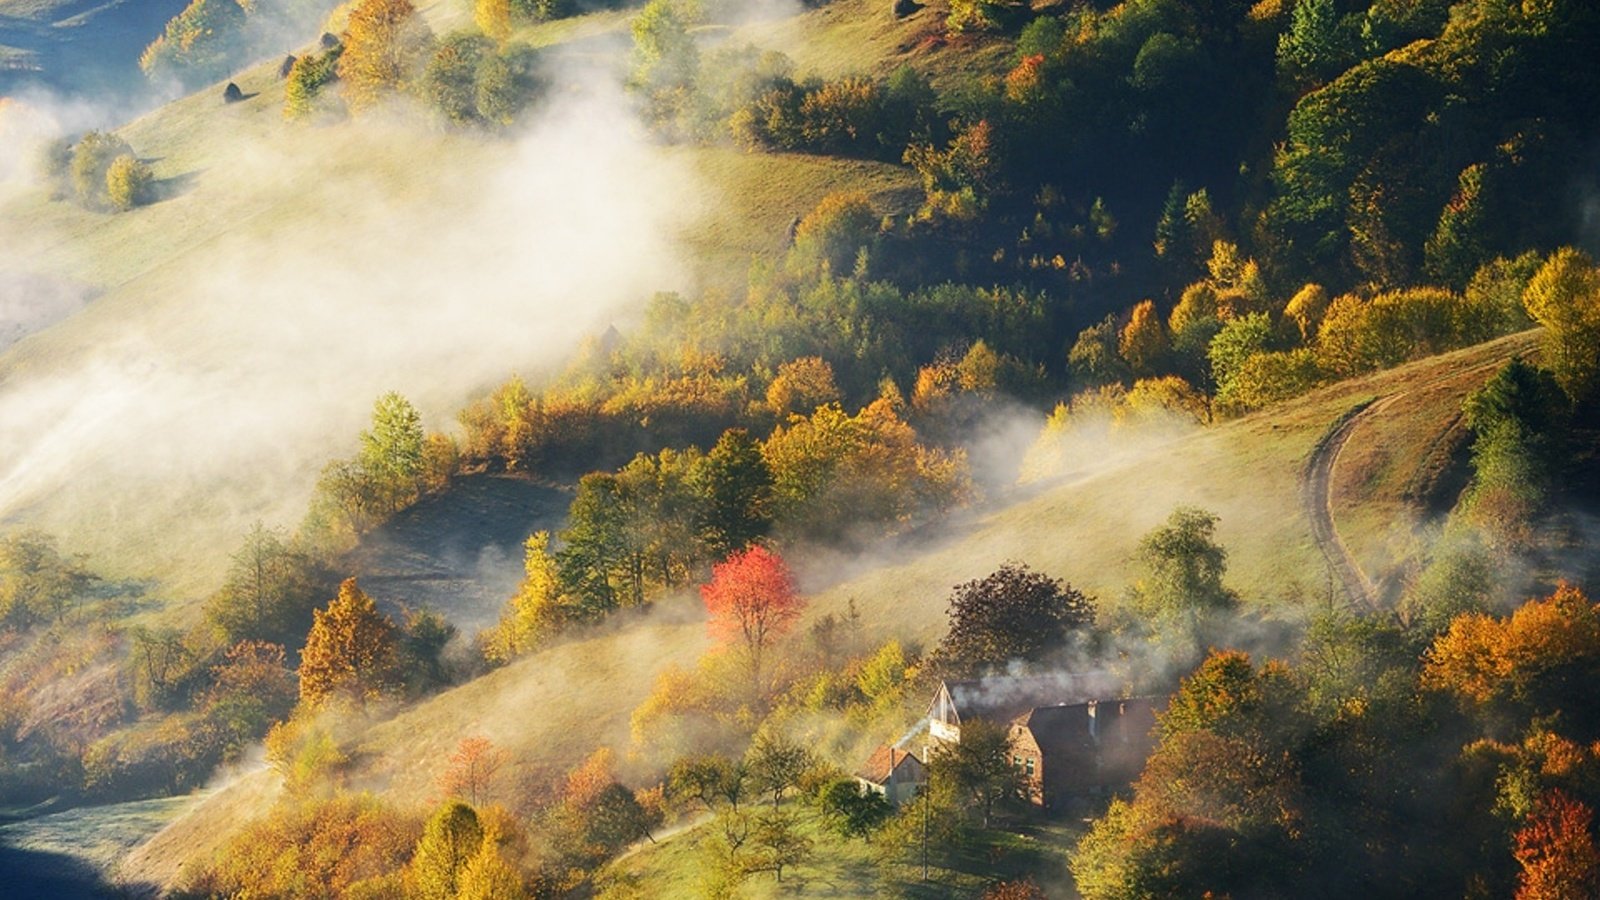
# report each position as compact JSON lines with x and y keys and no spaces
{"x":852,"y":868}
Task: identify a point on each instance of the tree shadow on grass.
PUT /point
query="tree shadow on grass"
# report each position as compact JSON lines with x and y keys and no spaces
{"x":30,"y":874}
{"x":164,"y":189}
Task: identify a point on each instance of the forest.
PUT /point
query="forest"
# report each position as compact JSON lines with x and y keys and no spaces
{"x":1104,"y":273}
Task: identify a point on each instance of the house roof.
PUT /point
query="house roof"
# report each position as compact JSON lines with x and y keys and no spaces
{"x":876,"y":768}
{"x":1001,"y":698}
{"x":1065,"y":725}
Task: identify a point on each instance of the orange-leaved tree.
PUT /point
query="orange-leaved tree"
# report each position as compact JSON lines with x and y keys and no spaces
{"x":1539,"y":660}
{"x":1556,"y":851}
{"x":752,"y":600}
{"x":350,"y":651}
{"x":471,"y":770}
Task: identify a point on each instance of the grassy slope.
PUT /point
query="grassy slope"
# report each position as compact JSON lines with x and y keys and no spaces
{"x":552,"y":708}
{"x":235,"y":179}
{"x":849,"y":868}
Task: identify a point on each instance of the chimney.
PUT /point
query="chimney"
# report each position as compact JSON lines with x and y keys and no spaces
{"x":1094,"y":722}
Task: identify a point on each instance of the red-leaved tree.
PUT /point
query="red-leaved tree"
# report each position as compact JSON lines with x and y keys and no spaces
{"x":752,"y":600}
{"x":1557,"y":852}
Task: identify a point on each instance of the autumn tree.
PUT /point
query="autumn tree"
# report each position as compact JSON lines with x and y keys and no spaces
{"x":1556,"y":851}
{"x":1094,"y":359}
{"x":307,"y":77}
{"x":493,"y":18}
{"x":269,"y":592}
{"x":450,"y":79}
{"x":751,"y":599}
{"x":1564,"y":297}
{"x":348,"y":845}
{"x":1537,"y":662}
{"x":1181,"y":567}
{"x":251,"y":690}
{"x":536,"y":612}
{"x":1220,"y":807}
{"x":776,"y":764}
{"x":973,"y":15}
{"x":160,"y":660}
{"x":92,"y":158}
{"x":777,"y":843}
{"x":616,"y":819}
{"x":665,"y":57}
{"x":832,"y":468}
{"x":471,"y":770}
{"x":384,"y":42}
{"x":451,"y":839}
{"x":1306,"y":309}
{"x":391,"y":450}
{"x":709,"y":778}
{"x":1143,"y":342}
{"x":1456,"y":248}
{"x":833,"y":234}
{"x":198,"y":42}
{"x":350,"y":651}
{"x":734,"y":485}
{"x":1238,"y":340}
{"x":128,"y":182}
{"x":980,"y":769}
{"x":850,"y":811}
{"x":36,"y":582}
{"x":1014,"y":613}
{"x":801,"y":386}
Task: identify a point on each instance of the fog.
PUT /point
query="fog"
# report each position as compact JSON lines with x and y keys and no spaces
{"x":221,"y":387}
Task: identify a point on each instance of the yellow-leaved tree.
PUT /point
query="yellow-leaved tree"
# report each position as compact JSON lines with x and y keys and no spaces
{"x":350,"y":651}
{"x":1564,"y":297}
{"x":386,"y":40}
{"x":493,"y":18}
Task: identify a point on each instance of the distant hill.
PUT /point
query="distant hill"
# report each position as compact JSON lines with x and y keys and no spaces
{"x":84,"y":49}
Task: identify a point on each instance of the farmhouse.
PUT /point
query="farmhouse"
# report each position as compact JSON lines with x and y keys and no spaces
{"x":1082,"y":748}
{"x":1065,"y":736}
{"x":894,"y":773}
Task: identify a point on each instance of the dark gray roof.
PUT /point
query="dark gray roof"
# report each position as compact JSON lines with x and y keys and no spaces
{"x":1001,"y":698}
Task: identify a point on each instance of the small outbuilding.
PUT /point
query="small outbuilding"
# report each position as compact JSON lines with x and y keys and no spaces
{"x":893,"y":773}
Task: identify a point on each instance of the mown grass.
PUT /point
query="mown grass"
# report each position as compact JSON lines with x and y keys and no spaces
{"x":852,"y":867}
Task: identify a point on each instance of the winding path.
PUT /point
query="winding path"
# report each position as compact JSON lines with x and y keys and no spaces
{"x":1316,"y":493}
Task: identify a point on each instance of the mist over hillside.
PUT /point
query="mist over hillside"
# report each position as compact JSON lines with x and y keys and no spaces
{"x":966,"y":449}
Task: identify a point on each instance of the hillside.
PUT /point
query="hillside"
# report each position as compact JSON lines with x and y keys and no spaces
{"x":190,"y":306}
{"x":553,"y":707}
{"x":512,"y":426}
{"x":78,"y":47}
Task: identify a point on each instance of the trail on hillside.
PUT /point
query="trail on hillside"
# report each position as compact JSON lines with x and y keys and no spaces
{"x":1316,"y":493}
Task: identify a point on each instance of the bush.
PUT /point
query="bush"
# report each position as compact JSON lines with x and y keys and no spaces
{"x":128,"y":182}
{"x":91,"y":162}
{"x":306,"y":78}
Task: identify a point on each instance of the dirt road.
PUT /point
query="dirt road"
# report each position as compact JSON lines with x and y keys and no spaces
{"x":1316,"y":493}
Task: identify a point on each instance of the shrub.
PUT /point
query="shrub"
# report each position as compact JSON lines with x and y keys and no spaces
{"x":92,"y":157}
{"x":306,"y":78}
{"x":128,"y":182}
